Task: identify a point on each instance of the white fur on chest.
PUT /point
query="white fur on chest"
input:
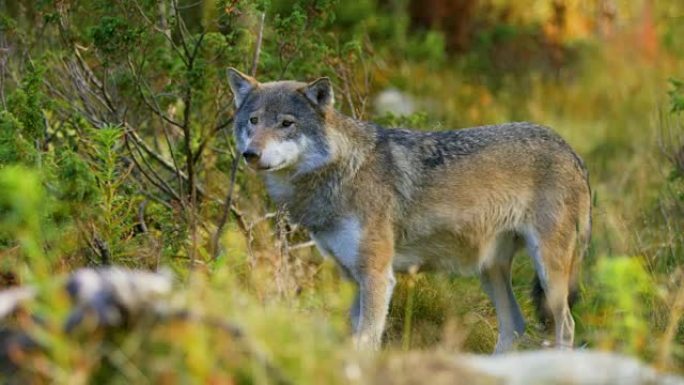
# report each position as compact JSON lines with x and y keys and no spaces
{"x":341,"y":242}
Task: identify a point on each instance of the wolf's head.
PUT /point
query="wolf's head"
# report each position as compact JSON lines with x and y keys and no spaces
{"x":281,"y":125}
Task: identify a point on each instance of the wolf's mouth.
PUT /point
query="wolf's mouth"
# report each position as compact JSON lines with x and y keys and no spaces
{"x":271,"y":168}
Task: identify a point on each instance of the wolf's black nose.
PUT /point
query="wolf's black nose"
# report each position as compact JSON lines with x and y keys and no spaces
{"x":251,"y":155}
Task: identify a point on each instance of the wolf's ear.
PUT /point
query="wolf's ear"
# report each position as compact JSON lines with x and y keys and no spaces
{"x":320,"y":92}
{"x":241,"y":85}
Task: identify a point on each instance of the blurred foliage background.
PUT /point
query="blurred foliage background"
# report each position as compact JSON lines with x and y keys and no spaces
{"x":116,"y":148}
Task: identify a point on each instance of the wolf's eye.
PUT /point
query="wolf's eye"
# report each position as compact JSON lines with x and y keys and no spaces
{"x":254,"y":120}
{"x":287,"y":123}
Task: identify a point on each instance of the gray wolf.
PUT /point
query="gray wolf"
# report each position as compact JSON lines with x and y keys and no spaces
{"x":384,"y":200}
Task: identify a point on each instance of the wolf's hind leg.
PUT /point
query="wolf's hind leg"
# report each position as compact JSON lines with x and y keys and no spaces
{"x":496,"y":282}
{"x":558,"y":303}
{"x":553,"y":256}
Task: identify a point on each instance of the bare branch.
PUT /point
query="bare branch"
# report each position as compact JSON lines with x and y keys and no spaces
{"x":236,"y":158}
{"x":347,"y":92}
{"x":141,"y":216}
{"x":302,"y":245}
{"x":164,"y":31}
{"x":169,"y":166}
{"x":165,"y":163}
{"x":187,"y":133}
{"x":155,"y":179}
{"x":105,"y":98}
{"x":156,"y":108}
{"x":153,"y":104}
{"x":182,"y":30}
{"x":226,"y":206}
{"x":207,"y":139}
{"x":257,"y":49}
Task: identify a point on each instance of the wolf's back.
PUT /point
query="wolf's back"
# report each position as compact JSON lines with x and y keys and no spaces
{"x":439,"y":147}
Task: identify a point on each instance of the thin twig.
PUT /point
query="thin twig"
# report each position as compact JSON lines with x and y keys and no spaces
{"x":157,"y":182}
{"x":156,"y":108}
{"x":141,"y":216}
{"x":302,"y":245}
{"x":182,"y":31}
{"x":164,"y":31}
{"x":167,"y":165}
{"x":236,"y":157}
{"x":257,"y":49}
{"x":226,"y":208}
{"x":207,"y":138}
{"x":162,"y":161}
{"x":187,"y":133}
{"x":4,"y":57}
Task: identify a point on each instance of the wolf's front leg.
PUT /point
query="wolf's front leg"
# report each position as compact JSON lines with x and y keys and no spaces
{"x":355,"y":312}
{"x":375,"y":292}
{"x":376,"y":282}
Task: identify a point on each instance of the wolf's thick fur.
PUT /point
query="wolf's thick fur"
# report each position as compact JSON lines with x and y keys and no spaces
{"x":382,"y":200}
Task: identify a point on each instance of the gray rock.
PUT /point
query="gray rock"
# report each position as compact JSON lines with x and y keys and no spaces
{"x":393,"y":101}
